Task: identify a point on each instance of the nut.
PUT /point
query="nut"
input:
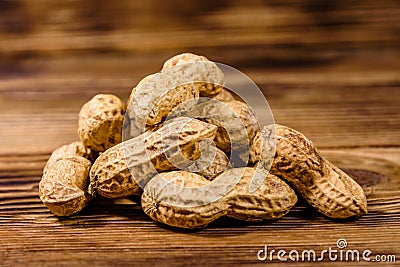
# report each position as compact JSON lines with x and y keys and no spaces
{"x":144,"y":155}
{"x":205,"y":89}
{"x":211,"y":164}
{"x":236,"y":121}
{"x":249,"y":120}
{"x":323,"y":185}
{"x":225,"y":96}
{"x":63,"y":186}
{"x":133,"y":92}
{"x":100,"y":122}
{"x":183,"y":205}
{"x":74,"y":149}
{"x":156,"y":95}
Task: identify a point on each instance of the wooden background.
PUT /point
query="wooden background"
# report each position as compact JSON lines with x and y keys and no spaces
{"x":328,"y":68}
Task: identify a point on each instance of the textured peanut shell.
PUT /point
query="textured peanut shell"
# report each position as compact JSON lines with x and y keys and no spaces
{"x":158,"y":94}
{"x":62,"y":188}
{"x":236,"y":123}
{"x":156,"y":201}
{"x":133,"y":92}
{"x":273,"y":199}
{"x":210,"y":165}
{"x":74,"y":149}
{"x":247,"y":116}
{"x":323,"y":185}
{"x":100,"y":122}
{"x":144,"y":156}
{"x":205,"y":89}
{"x":224,"y":96}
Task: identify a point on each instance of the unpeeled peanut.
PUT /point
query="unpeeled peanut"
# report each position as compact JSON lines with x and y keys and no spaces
{"x":100,"y":122}
{"x":178,"y":140}
{"x":207,"y":88}
{"x":323,"y":185}
{"x":224,"y":96}
{"x":249,"y":120}
{"x":74,"y":149}
{"x":236,"y":121}
{"x":63,"y":186}
{"x":177,"y":198}
{"x":211,"y":164}
{"x":156,"y":95}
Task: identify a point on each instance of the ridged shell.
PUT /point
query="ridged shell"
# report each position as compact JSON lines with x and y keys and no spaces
{"x":145,"y":155}
{"x":63,"y":187}
{"x":224,"y":96}
{"x":323,"y":185}
{"x":205,"y":71}
{"x":210,"y":165}
{"x":187,"y":204}
{"x":74,"y":149}
{"x":167,"y":204}
{"x":100,"y":122}
{"x":271,"y":200}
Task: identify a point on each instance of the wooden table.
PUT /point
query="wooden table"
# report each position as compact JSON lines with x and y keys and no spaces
{"x":330,"y":71}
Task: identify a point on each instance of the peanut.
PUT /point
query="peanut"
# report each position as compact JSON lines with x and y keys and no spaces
{"x":183,"y":205}
{"x":133,"y":91}
{"x":63,"y":186}
{"x":247,"y":116}
{"x":144,"y":155}
{"x":224,"y":96}
{"x":205,"y":89}
{"x":323,"y":185}
{"x":74,"y":149}
{"x":236,"y":121}
{"x":212,"y":164}
{"x":100,"y":122}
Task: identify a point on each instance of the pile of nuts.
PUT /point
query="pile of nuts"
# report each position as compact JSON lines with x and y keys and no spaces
{"x":184,"y":181}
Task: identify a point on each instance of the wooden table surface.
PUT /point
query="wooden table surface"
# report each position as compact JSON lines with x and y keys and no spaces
{"x":330,"y":70}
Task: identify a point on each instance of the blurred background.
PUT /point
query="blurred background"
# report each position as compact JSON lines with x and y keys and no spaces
{"x":328,"y":68}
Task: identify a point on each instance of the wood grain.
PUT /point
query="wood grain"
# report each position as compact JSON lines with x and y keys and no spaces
{"x":329,"y":70}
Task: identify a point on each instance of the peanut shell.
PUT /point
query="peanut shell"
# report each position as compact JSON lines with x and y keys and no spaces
{"x":205,"y":89}
{"x":183,"y":205}
{"x":323,"y":185}
{"x":74,"y":149}
{"x":100,"y":122}
{"x":145,"y":155}
{"x":63,"y":186}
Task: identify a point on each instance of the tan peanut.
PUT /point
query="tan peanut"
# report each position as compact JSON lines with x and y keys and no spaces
{"x":133,"y":91}
{"x":100,"y":122}
{"x":63,"y":186}
{"x":206,"y":89}
{"x":323,"y":185}
{"x":183,"y":205}
{"x":146,"y":154}
{"x":249,"y":120}
{"x":236,"y":121}
{"x":74,"y":149}
{"x":224,"y":96}
{"x":211,"y":164}
{"x":156,"y":95}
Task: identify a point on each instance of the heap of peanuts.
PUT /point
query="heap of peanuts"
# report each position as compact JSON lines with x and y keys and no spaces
{"x":184,"y":181}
